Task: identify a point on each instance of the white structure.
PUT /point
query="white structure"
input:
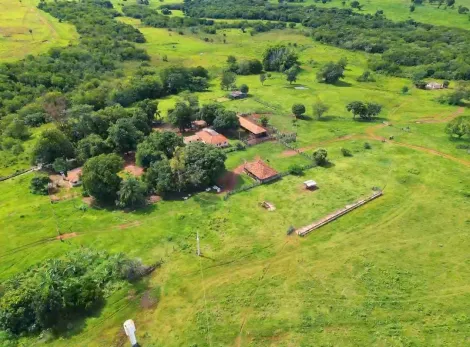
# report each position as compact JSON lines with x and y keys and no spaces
{"x":310,"y":184}
{"x":434,"y":85}
{"x":129,"y":328}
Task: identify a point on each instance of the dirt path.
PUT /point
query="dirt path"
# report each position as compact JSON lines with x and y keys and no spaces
{"x":229,"y":181}
{"x":432,"y":120}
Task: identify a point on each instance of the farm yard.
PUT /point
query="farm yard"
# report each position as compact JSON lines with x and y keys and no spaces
{"x":389,"y":273}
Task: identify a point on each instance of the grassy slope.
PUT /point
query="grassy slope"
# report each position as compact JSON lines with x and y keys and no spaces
{"x":17,"y":17}
{"x":391,"y":273}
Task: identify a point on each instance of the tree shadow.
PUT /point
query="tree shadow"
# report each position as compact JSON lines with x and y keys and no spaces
{"x":328,"y":165}
{"x":342,"y":84}
{"x":305,"y":117}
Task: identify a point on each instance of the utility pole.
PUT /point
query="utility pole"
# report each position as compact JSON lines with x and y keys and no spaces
{"x":198,"y":246}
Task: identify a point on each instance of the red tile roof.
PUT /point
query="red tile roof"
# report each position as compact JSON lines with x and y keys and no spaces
{"x":260,"y":169}
{"x":250,"y":126}
{"x":211,"y":137}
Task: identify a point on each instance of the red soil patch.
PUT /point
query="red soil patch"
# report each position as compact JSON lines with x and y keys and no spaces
{"x":229,"y":181}
{"x":88,"y":200}
{"x":74,"y":175}
{"x":153,"y":199}
{"x":147,"y":301}
{"x":66,"y":236}
{"x":129,"y":225}
{"x":130,"y":166}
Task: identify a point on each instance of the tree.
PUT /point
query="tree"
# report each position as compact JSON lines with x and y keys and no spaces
{"x":39,"y":184}
{"x":330,"y":73}
{"x":343,"y":62}
{"x":131,"y":193}
{"x":17,"y":129}
{"x":159,"y":177}
{"x":100,"y":179}
{"x":262,"y":78}
{"x":292,"y":73}
{"x":264,"y":120}
{"x":55,"y":104}
{"x":320,"y":156}
{"x":209,"y":112}
{"x":298,"y":110}
{"x":357,"y":108}
{"x":91,"y":146}
{"x":319,"y":109}
{"x":412,"y":8}
{"x":356,"y":4}
{"x":150,"y":109}
{"x":227,"y":80}
{"x":124,"y":136}
{"x":52,"y":144}
{"x":244,"y":88}
{"x":405,"y":90}
{"x":203,"y":164}
{"x":366,"y":77}
{"x":231,"y":60}
{"x":60,"y":165}
{"x":226,"y":120}
{"x":279,"y":58}
{"x":445,"y":84}
{"x":346,"y":152}
{"x":450,"y":3}
{"x":181,"y":116}
{"x":459,"y":126}
{"x":364,"y":110}
{"x":157,"y":146}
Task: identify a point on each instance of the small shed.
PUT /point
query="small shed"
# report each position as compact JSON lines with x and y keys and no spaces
{"x":434,"y":86}
{"x":260,"y":171}
{"x":237,"y":95}
{"x":310,"y":184}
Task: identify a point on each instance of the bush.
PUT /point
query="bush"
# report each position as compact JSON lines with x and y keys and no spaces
{"x":39,"y":184}
{"x":320,"y":156}
{"x":367,"y":145}
{"x":33,"y":301}
{"x":296,"y":170}
{"x":346,"y":152}
{"x":290,"y":230}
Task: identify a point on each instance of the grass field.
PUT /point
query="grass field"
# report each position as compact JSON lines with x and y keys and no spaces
{"x":392,"y":273}
{"x":17,"y":18}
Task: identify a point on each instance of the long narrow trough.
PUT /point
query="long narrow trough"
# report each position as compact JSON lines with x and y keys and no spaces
{"x":335,"y":215}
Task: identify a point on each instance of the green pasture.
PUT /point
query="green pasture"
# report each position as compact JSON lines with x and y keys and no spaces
{"x":17,"y":18}
{"x":395,"y":266}
{"x":391,"y":273}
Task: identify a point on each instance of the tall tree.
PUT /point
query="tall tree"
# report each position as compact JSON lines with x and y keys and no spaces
{"x":330,"y":73}
{"x":52,"y":144}
{"x":124,"y":136}
{"x":227,"y":79}
{"x":100,"y":177}
{"x":298,"y":110}
{"x":131,"y":193}
{"x":157,"y":146}
{"x":181,"y":116}
{"x":459,"y":126}
{"x":319,"y":109}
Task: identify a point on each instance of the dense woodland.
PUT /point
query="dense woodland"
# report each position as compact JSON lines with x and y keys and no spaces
{"x":430,"y":51}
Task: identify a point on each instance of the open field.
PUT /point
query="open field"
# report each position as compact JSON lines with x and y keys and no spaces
{"x":392,"y":273}
{"x":17,"y":18}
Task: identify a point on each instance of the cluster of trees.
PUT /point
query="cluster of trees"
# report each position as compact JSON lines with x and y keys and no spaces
{"x":436,"y":51}
{"x":83,"y":133}
{"x":332,"y":72}
{"x":104,"y":43}
{"x":457,"y":97}
{"x":365,"y":111}
{"x":279,"y":58}
{"x":56,"y":292}
{"x":244,"y":67}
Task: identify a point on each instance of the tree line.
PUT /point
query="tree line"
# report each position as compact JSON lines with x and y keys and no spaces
{"x":406,"y":48}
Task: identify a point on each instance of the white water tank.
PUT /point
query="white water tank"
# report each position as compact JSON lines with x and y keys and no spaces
{"x":129,"y":328}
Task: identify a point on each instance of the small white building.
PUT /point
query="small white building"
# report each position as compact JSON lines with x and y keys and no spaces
{"x":311,"y":184}
{"x":434,"y":85}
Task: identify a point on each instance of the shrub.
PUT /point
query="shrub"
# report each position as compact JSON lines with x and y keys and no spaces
{"x":290,"y":230}
{"x":367,"y":145}
{"x":320,"y":156}
{"x":346,"y":152}
{"x":39,"y":184}
{"x":295,"y":169}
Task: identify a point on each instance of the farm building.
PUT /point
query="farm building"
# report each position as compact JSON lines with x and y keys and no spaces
{"x":237,"y":95}
{"x":208,"y":136}
{"x":190,"y":139}
{"x":434,"y":85}
{"x":199,"y":124}
{"x":252,"y":128}
{"x":260,"y":171}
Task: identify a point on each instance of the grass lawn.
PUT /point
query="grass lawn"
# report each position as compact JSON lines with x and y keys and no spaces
{"x":17,"y":18}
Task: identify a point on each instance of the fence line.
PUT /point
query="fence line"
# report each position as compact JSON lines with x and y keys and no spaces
{"x":335,"y":215}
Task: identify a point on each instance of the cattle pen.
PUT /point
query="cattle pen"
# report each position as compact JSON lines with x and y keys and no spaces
{"x":335,"y":215}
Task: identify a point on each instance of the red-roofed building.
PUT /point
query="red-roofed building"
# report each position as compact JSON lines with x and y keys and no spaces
{"x":208,"y":136}
{"x":260,"y":171}
{"x":253,"y":128}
